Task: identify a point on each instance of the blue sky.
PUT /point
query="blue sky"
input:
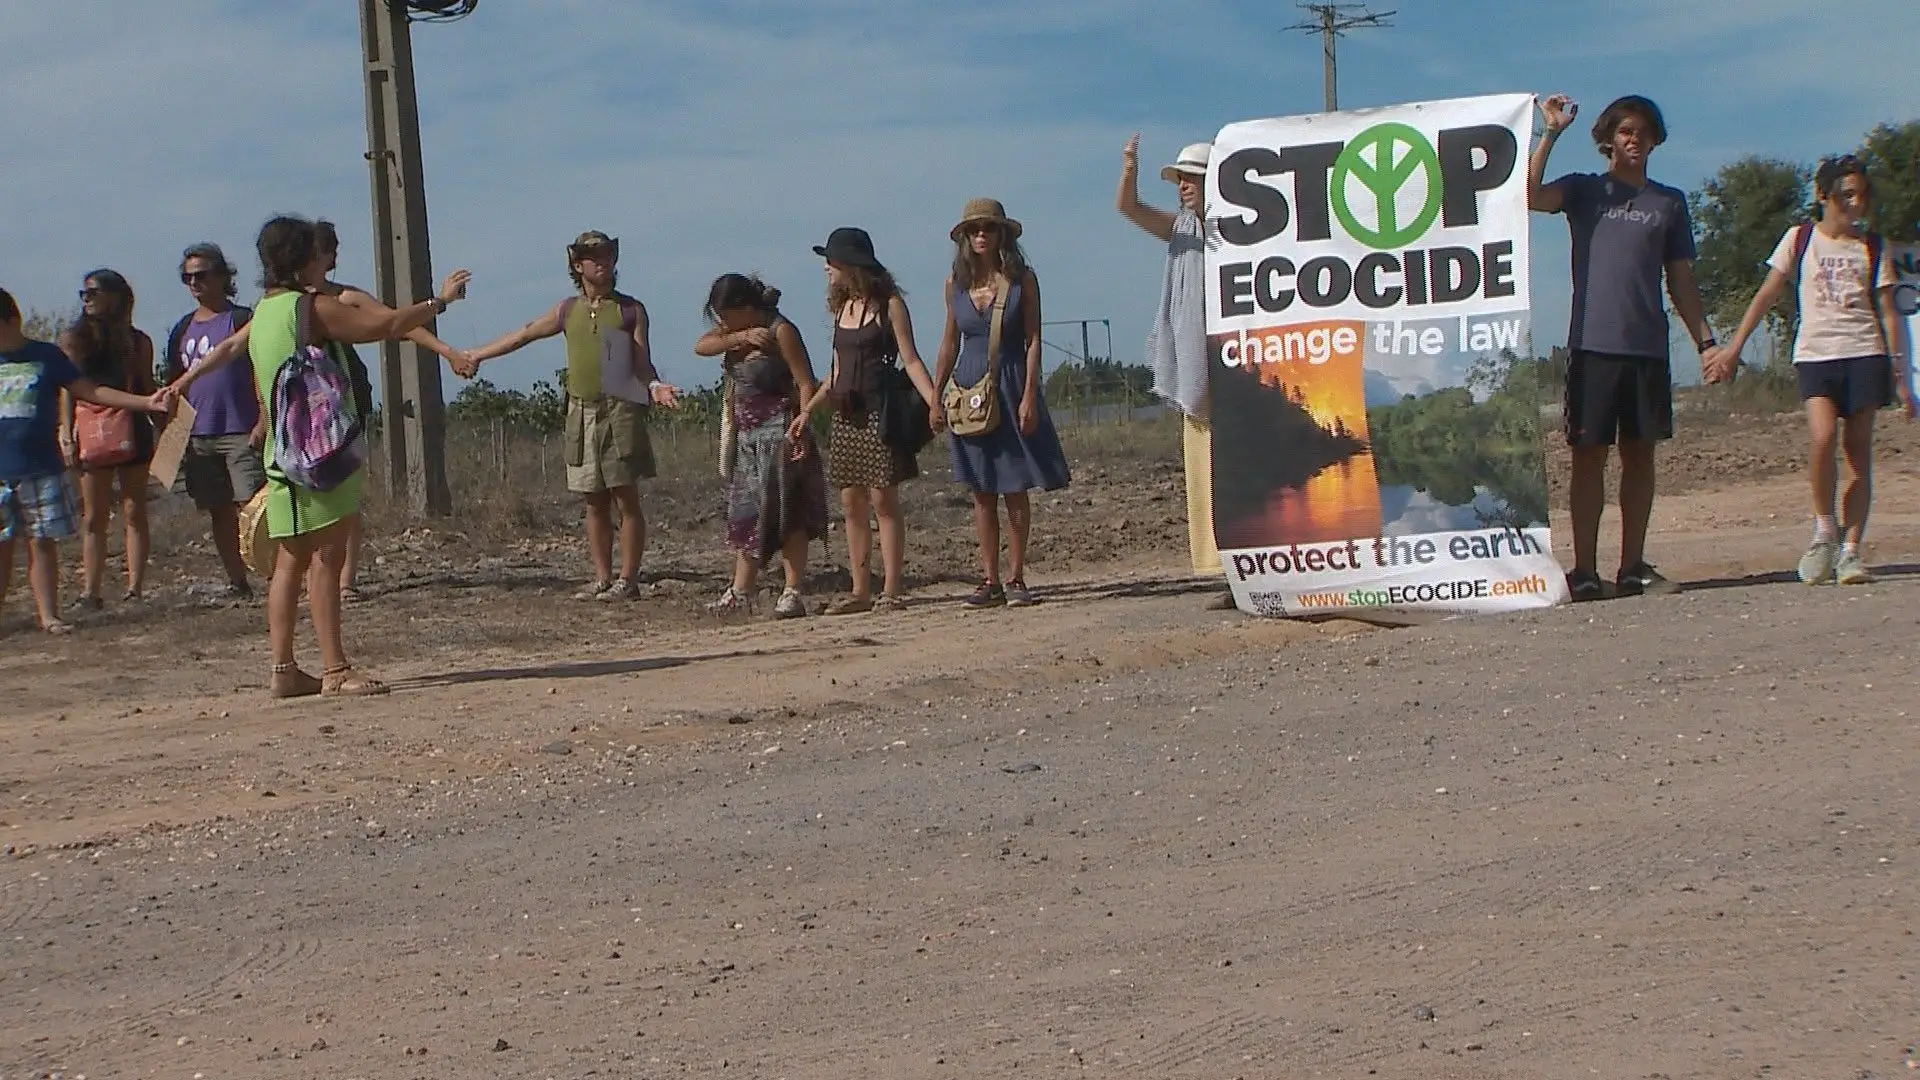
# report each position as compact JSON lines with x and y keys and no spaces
{"x":733,"y":135}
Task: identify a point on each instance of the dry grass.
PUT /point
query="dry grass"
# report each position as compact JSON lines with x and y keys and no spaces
{"x":510,"y":486}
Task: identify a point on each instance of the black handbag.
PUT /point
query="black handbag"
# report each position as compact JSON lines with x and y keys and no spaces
{"x":905,"y":422}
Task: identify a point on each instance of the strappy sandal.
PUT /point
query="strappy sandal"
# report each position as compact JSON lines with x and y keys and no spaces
{"x":57,"y":628}
{"x":850,"y":605}
{"x":342,"y":682}
{"x":290,"y":682}
{"x":889,"y":602}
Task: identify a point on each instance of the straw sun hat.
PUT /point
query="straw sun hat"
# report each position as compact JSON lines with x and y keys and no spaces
{"x":989,"y":210}
{"x":257,"y":548}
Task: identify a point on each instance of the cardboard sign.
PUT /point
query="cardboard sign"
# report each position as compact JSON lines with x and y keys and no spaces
{"x":171,"y":448}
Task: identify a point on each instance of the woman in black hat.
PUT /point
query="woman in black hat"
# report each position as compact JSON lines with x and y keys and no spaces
{"x":871,"y":330}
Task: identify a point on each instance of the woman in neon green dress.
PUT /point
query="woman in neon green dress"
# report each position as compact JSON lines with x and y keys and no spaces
{"x":311,"y":526}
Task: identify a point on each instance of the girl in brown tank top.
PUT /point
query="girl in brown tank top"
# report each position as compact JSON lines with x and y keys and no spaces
{"x":872,"y":326}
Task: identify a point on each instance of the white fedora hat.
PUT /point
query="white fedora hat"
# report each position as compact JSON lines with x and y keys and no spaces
{"x":1191,"y":162}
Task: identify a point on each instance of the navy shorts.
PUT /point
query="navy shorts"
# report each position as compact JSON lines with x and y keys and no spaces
{"x":1856,"y":385}
{"x":1612,"y":398}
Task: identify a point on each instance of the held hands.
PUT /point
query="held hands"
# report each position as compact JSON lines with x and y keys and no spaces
{"x":797,"y":430}
{"x":937,"y":417}
{"x":463,"y":363}
{"x":1558,"y":111}
{"x":455,"y":287}
{"x":1719,"y":363}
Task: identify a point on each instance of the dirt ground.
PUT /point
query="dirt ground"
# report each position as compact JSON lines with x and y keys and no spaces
{"x":1115,"y":834}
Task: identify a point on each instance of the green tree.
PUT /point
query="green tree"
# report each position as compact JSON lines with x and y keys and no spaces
{"x":1892,"y":154}
{"x":1738,"y":218}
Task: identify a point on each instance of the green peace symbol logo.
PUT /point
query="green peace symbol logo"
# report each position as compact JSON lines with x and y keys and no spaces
{"x":1398,"y":153}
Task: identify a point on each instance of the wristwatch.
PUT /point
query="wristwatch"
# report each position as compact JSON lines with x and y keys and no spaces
{"x":438,"y":305}
{"x":1703,"y":346}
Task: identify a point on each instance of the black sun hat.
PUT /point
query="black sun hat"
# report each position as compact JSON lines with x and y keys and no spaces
{"x":851,"y":246}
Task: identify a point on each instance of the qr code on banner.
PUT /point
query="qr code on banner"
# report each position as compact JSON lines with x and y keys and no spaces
{"x":1268,"y":603}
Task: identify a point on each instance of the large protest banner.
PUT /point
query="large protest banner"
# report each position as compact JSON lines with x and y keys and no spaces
{"x":1376,"y":408}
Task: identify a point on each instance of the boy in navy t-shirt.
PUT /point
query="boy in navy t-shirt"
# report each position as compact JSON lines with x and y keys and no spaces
{"x":1630,"y":234}
{"x":35,"y":503}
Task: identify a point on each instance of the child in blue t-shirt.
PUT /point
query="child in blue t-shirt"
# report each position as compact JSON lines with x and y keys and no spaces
{"x":35,"y":504}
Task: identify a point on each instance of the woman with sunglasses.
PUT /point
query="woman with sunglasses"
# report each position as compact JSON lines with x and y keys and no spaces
{"x":993,"y":296}
{"x":111,"y":447}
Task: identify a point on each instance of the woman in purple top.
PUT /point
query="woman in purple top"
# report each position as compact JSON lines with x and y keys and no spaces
{"x":107,"y":349}
{"x":222,"y":468}
{"x":1022,"y":453}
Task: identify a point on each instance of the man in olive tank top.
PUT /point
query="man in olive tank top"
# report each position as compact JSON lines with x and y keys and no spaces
{"x":611,"y":381}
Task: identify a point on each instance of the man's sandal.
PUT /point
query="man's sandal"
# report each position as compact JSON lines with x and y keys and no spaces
{"x":290,"y":682}
{"x":342,"y":682}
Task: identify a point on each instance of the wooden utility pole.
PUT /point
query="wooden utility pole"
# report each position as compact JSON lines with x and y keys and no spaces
{"x":1330,"y":20}
{"x":412,"y":411}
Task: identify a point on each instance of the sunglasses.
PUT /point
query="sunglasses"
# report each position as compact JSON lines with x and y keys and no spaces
{"x":88,"y":294}
{"x":595,"y":254}
{"x":195,"y":277}
{"x":980,"y":228}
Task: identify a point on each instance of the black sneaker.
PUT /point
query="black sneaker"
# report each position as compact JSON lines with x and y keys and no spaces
{"x":1585,"y":585}
{"x":1642,"y":578}
{"x":988,"y":594}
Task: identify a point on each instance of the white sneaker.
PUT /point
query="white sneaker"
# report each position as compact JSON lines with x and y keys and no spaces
{"x":621,"y":589}
{"x":1816,"y":566}
{"x":731,"y":601}
{"x":1851,"y":570}
{"x":790,"y":605}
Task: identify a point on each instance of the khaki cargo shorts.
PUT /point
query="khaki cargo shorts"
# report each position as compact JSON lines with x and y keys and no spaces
{"x":606,"y":445}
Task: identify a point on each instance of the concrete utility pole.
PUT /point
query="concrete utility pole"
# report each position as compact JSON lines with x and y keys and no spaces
{"x":412,"y":412}
{"x":1330,"y":20}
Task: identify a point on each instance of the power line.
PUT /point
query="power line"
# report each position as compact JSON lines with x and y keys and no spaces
{"x":1330,"y":20}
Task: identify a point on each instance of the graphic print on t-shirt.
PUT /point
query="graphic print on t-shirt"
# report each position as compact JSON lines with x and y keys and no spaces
{"x":1837,"y":316}
{"x":17,"y":382}
{"x":224,"y":400}
{"x":30,"y":382}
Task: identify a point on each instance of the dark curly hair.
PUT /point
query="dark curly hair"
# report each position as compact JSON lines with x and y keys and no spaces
{"x":740,"y":291}
{"x":1832,"y":170}
{"x":9,"y":307}
{"x":286,"y":246}
{"x":1620,"y":109}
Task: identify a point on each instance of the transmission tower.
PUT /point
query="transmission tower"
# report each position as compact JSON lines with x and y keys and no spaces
{"x":1330,"y":20}
{"x":412,"y":412}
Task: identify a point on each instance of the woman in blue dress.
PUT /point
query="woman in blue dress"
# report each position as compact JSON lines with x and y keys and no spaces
{"x":1021,"y":453}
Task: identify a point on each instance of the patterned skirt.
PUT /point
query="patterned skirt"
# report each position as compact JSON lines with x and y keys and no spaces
{"x":771,"y":496}
{"x":858,"y":457}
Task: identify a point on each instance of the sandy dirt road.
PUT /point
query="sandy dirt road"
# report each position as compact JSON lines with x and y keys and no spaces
{"x":1115,"y":835}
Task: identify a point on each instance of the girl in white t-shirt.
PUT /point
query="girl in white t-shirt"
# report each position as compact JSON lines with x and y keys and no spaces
{"x":1846,"y":351}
